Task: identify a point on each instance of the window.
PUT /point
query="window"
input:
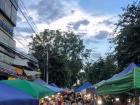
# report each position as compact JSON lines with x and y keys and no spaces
{"x":14,"y":15}
{"x":8,"y":6}
{"x":9,"y":9}
{"x":2,"y":5}
{"x":15,"y":3}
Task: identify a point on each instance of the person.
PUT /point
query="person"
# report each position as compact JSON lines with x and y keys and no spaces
{"x":91,"y":102}
{"x":80,"y":102}
{"x":123,"y":102}
{"x":59,"y":102}
{"x":117,"y":103}
{"x":67,"y":102}
{"x":74,"y":103}
{"x":109,"y":101}
{"x":46,"y":102}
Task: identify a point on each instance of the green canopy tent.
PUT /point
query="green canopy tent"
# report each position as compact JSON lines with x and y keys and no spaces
{"x":35,"y":90}
{"x":99,"y":84}
{"x":125,"y":81}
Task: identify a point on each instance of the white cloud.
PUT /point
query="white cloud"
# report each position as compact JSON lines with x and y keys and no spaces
{"x":22,"y":43}
{"x":91,"y":29}
{"x":65,"y":22}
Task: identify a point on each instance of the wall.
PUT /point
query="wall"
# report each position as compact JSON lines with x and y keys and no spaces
{"x":10,"y":10}
{"x":8,"y":14}
{"x":6,"y":39}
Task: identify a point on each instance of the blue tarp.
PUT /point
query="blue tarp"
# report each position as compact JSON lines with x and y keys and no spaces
{"x":56,"y":89}
{"x":54,"y":85}
{"x":124,"y":72}
{"x":12,"y":96}
{"x":99,"y":83}
{"x":83,"y":87}
{"x":41,"y":82}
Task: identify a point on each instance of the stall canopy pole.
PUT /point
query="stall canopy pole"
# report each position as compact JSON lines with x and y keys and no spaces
{"x":136,"y":97}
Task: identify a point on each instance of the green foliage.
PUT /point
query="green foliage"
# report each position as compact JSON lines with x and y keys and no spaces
{"x":127,"y":41}
{"x":100,"y":70}
{"x":66,"y":53}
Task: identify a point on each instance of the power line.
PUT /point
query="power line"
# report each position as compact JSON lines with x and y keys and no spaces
{"x":20,"y":42}
{"x":29,"y":15}
{"x":17,"y":33}
{"x":32,"y":25}
{"x":26,"y":18}
{"x":17,"y":39}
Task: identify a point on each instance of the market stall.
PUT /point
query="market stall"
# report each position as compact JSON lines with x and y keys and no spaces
{"x":35,"y":90}
{"x":83,"y":87}
{"x":127,"y":81}
{"x":122,"y":82}
{"x":53,"y":88}
{"x":12,"y":96}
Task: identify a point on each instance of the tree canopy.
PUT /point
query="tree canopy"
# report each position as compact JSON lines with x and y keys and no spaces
{"x":66,"y":52}
{"x":127,"y":41}
{"x":102,"y":69}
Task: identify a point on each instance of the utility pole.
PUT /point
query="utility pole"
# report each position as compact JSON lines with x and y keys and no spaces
{"x":136,"y":97}
{"x":44,"y":61}
{"x":47,"y":62}
{"x":138,"y":59}
{"x":46,"y":57}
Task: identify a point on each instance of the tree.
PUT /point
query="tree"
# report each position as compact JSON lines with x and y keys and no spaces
{"x":66,"y":53}
{"x":100,"y":70}
{"x":127,"y":41}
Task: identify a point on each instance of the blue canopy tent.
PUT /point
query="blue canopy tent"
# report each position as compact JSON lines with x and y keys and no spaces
{"x":83,"y":87}
{"x":41,"y":82}
{"x":54,"y":85}
{"x":124,"y":72}
{"x":99,"y":84}
{"x":12,"y":96}
{"x":55,"y":88}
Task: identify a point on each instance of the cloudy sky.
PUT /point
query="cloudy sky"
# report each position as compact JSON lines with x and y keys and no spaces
{"x":93,"y":20}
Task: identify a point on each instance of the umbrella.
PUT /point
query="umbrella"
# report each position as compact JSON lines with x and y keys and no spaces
{"x":13,"y":96}
{"x":30,"y":88}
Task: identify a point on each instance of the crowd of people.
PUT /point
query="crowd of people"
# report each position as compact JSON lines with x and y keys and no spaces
{"x":84,"y":99}
{"x":69,"y":99}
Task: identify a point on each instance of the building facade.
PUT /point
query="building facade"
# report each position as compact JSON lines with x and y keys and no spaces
{"x":12,"y":62}
{"x":8,"y":14}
